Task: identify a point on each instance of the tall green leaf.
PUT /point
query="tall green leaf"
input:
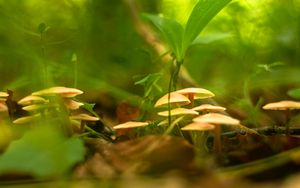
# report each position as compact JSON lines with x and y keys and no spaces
{"x":201,"y":15}
{"x":171,"y":31}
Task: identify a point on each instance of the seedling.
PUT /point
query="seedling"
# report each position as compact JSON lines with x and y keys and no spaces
{"x":286,"y":106}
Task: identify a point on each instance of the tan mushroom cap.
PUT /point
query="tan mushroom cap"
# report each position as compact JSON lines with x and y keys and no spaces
{"x":216,"y":118}
{"x":32,"y":99}
{"x":174,"y":98}
{"x":27,"y":119}
{"x":198,"y":127}
{"x":178,"y":111}
{"x":198,"y":93}
{"x":62,"y":91}
{"x":209,"y":107}
{"x":72,"y":104}
{"x":3,"y":107}
{"x":282,"y":105}
{"x":131,"y":124}
{"x":3,"y":94}
{"x":84,"y":117}
{"x":34,"y":107}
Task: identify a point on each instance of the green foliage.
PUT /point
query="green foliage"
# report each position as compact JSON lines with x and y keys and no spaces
{"x":203,"y":12}
{"x":295,"y":93}
{"x":179,"y":38}
{"x":172,"y":33}
{"x":42,"y":152}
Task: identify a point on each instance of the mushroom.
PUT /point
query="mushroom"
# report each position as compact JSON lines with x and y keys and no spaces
{"x":31,"y":99}
{"x":3,"y":107}
{"x":62,"y":91}
{"x":209,"y":108}
{"x":27,"y":119}
{"x":129,"y":125}
{"x":3,"y":94}
{"x":83,"y":119}
{"x":195,"y":93}
{"x":178,"y":111}
{"x":194,"y":126}
{"x":286,"y":106}
{"x":172,"y":98}
{"x":217,"y":120}
{"x":72,"y":104}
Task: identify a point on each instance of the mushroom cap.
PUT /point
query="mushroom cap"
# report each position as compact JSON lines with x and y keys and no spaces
{"x":72,"y":104}
{"x":27,"y":119}
{"x":3,"y":107}
{"x":62,"y":91}
{"x":178,"y":111}
{"x":216,"y":118}
{"x":30,"y":99}
{"x":84,"y":117}
{"x":131,"y":124}
{"x":198,"y":127}
{"x":34,"y":107}
{"x":209,"y":107}
{"x":199,"y":93}
{"x":3,"y":94}
{"x":282,"y":105}
{"x":174,"y":98}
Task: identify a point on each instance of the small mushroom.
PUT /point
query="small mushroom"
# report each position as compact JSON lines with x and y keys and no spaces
{"x":3,"y":94}
{"x":72,"y":104}
{"x":83,"y":119}
{"x":284,"y":106}
{"x":62,"y":91}
{"x":31,"y":99}
{"x":172,"y":98}
{"x":194,"y":126}
{"x":36,"y":107}
{"x":3,"y":107}
{"x":217,"y":120}
{"x":130,"y":125}
{"x":195,"y":93}
{"x":178,"y":111}
{"x":209,"y":108}
{"x":27,"y":119}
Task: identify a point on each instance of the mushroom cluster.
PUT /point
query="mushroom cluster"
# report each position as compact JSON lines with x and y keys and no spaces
{"x":208,"y":117}
{"x":175,"y":100}
{"x":41,"y":103}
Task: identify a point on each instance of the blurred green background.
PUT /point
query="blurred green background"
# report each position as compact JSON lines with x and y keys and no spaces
{"x":93,"y":45}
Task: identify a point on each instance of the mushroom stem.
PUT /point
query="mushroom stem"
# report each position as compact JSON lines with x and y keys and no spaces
{"x":191,"y":98}
{"x":82,"y":126}
{"x":287,"y":122}
{"x":217,"y":143}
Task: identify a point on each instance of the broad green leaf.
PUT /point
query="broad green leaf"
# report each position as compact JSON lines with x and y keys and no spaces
{"x":42,"y":152}
{"x":171,"y":31}
{"x":295,"y":93}
{"x":206,"y":39}
{"x":203,"y":12}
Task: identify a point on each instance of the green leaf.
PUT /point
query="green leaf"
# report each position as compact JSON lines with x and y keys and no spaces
{"x":206,"y":39}
{"x":203,"y":12}
{"x":295,"y":93}
{"x":171,"y":31}
{"x":42,"y":152}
